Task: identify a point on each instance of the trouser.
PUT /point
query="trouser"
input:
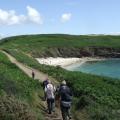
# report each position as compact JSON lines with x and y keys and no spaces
{"x":65,"y":112}
{"x":50,"y":103}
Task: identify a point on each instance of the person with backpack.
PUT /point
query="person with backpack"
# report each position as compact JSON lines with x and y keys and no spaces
{"x":65,"y":100}
{"x":45,"y":82}
{"x":50,"y":96}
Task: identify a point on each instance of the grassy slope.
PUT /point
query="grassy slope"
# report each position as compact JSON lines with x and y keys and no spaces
{"x":20,"y":94}
{"x":37,"y":44}
{"x":99,"y":96}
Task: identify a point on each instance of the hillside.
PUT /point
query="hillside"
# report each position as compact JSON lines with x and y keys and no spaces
{"x":65,"y":45}
{"x":19,"y":94}
{"x":95,"y":97}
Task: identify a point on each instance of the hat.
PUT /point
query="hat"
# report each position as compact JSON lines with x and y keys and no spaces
{"x":64,"y":82}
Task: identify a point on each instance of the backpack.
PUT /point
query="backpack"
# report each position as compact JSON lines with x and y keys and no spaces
{"x":66,"y":94}
{"x":68,"y":97}
{"x":50,"y":91}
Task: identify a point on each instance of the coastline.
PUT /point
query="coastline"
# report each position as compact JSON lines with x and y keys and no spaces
{"x":65,"y":62}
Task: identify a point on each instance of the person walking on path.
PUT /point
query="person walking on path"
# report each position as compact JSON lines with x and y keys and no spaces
{"x":45,"y":83}
{"x":50,"y":96}
{"x":65,"y":100}
{"x":33,"y":74}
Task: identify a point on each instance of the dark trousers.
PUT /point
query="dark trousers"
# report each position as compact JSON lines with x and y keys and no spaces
{"x":65,"y":112}
{"x":50,"y":103}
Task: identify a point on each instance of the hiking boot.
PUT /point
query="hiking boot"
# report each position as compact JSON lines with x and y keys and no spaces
{"x":49,"y":112}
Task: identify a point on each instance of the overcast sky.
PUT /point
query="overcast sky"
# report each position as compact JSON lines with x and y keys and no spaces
{"x":59,"y":16}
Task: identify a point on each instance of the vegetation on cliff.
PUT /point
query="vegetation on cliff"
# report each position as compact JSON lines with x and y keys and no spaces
{"x":96,"y":97}
{"x":19,"y":94}
{"x":64,"y":45}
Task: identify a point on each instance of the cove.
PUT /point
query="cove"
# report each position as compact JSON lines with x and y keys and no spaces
{"x":109,"y":67}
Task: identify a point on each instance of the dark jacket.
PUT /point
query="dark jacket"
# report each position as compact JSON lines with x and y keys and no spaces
{"x":65,"y":93}
{"x":45,"y":83}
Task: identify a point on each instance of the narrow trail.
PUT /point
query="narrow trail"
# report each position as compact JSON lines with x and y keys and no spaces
{"x":41,"y":77}
{"x":26,"y":69}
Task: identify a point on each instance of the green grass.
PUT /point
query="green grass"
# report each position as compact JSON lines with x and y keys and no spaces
{"x":38,"y":45}
{"x":19,"y":93}
{"x":99,"y":96}
{"x":96,"y":97}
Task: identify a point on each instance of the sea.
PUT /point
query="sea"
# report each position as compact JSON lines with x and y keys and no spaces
{"x":108,"y":67}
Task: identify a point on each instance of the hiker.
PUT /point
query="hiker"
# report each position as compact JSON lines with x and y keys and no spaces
{"x":33,"y":74}
{"x":50,"y":96}
{"x":45,"y":83}
{"x":57,"y":97}
{"x":65,"y":100}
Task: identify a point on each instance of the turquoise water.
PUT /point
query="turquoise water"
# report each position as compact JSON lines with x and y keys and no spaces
{"x":110,"y":68}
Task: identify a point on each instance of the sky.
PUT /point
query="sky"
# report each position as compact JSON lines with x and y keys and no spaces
{"x":59,"y":16}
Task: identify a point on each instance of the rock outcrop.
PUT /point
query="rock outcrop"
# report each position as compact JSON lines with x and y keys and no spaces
{"x":81,"y":52}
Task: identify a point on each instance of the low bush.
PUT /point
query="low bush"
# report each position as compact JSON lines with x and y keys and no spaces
{"x":13,"y":109}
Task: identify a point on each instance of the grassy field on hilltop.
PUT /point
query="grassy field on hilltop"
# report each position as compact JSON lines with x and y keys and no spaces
{"x":39,"y":44}
{"x":19,"y":94}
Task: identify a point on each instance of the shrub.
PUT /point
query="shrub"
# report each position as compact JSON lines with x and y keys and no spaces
{"x":13,"y":109}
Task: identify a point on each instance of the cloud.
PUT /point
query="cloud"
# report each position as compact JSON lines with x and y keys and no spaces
{"x":34,"y":15}
{"x":11,"y":18}
{"x":66,"y":17}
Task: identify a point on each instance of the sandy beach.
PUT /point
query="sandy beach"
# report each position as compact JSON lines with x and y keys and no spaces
{"x":64,"y":62}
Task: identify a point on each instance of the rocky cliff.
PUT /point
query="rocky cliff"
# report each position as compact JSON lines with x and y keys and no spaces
{"x":80,"y":52}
